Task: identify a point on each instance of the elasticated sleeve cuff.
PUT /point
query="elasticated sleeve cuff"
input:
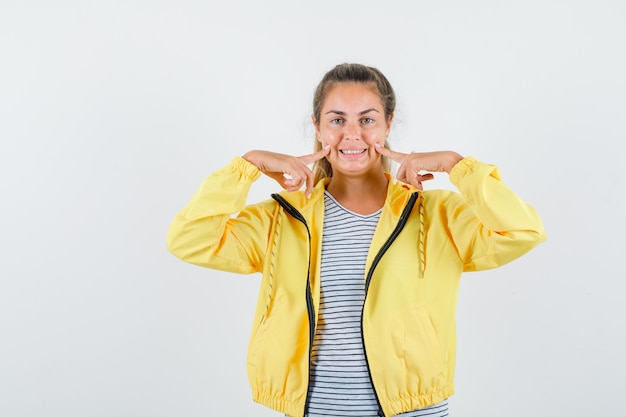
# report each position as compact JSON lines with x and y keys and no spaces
{"x":462,"y":167}
{"x":247,"y":169}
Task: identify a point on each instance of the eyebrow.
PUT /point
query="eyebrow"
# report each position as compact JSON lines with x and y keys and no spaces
{"x":341,"y":113}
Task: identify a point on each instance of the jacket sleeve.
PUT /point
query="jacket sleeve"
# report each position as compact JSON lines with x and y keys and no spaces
{"x":492,"y":225}
{"x":216,"y":229}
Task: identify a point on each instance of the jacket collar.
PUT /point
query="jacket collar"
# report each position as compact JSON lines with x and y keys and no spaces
{"x":398,"y":194}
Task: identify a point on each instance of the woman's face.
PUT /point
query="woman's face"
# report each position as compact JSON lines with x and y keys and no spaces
{"x":352,"y":120}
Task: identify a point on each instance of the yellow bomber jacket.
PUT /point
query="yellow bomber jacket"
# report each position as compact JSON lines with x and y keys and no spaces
{"x":424,"y":241}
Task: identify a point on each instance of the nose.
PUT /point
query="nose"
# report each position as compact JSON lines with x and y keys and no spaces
{"x":352,"y":131}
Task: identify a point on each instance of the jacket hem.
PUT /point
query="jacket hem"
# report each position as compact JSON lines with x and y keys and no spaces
{"x":399,"y":405}
{"x":278,"y":404}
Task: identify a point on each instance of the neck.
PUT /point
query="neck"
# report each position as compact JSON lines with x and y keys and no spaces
{"x":362,"y":194}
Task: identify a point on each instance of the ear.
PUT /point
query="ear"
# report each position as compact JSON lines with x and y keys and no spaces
{"x":317,"y":128}
{"x":389,"y":121}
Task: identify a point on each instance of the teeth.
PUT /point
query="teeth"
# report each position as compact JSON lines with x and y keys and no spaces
{"x":352,"y":151}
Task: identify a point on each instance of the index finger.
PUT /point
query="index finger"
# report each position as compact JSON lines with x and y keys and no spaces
{"x":310,"y":158}
{"x":393,"y":155}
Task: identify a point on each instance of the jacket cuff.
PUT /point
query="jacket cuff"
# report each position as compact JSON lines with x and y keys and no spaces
{"x":470,"y":165}
{"x":461,"y":168}
{"x":247,"y":169}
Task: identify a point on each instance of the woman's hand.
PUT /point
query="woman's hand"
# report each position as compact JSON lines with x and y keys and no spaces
{"x":417,"y":167}
{"x":291,"y":172}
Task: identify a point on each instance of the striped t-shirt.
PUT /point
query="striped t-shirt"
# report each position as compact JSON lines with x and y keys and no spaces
{"x":340,"y":381}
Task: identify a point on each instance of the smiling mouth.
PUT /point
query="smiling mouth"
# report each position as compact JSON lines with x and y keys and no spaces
{"x":352,"y":151}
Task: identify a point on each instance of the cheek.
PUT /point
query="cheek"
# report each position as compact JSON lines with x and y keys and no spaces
{"x":329,"y":137}
{"x":375,"y":137}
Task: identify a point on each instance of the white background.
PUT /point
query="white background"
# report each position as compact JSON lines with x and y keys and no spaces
{"x":111,"y":113}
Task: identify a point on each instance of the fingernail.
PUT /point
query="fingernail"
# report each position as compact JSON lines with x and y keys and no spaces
{"x":377,"y":145}
{"x":327,"y":147}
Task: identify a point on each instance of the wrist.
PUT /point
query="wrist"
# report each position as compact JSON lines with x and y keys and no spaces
{"x":453,"y":158}
{"x":251,"y":157}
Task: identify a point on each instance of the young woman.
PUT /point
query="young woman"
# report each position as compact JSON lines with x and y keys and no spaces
{"x":360,"y":273}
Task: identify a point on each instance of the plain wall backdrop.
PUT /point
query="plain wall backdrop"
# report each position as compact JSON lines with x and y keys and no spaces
{"x":111,"y":114}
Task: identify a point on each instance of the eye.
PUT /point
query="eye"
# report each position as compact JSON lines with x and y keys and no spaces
{"x":367,"y":120}
{"x":336,"y":121}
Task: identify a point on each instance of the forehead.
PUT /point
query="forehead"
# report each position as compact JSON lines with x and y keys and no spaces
{"x":350,"y":94}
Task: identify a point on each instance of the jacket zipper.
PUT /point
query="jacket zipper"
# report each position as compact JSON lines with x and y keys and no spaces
{"x":396,"y":231}
{"x":309,"y":296}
